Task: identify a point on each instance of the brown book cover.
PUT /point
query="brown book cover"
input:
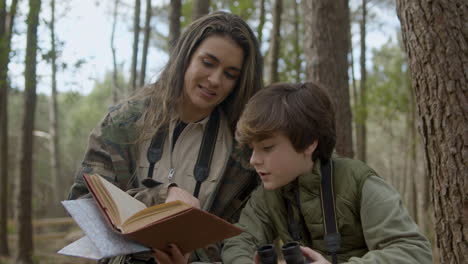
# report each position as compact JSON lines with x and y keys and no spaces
{"x":188,"y":227}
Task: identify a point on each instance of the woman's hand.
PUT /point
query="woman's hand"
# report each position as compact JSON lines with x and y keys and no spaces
{"x":174,"y":256}
{"x":314,"y":256}
{"x":175,"y":193}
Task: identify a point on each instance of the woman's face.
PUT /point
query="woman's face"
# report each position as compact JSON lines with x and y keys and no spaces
{"x":212,"y":74}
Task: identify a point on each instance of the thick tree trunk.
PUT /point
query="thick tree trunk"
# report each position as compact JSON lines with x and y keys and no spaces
{"x":326,"y":48}
{"x":200,"y":8}
{"x":275,"y":42}
{"x":6,"y":29}
{"x":58,"y":188}
{"x":136,"y":36}
{"x":435,"y":37}
{"x":146,"y":39}
{"x":361,"y":137}
{"x":24,"y":198}
{"x":175,"y":11}
{"x":115,"y":87}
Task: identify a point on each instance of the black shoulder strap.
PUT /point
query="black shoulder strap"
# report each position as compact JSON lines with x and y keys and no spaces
{"x":156,"y":149}
{"x":205,"y":155}
{"x":332,"y":236}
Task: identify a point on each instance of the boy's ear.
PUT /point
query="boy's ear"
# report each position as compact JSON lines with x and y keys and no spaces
{"x":311,"y":148}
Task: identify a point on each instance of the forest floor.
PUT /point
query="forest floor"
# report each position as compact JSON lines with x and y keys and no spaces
{"x":47,"y":241}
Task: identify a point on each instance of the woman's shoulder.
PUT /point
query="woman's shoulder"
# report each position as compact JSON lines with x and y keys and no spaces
{"x":127,"y":112}
{"x":122,"y":121}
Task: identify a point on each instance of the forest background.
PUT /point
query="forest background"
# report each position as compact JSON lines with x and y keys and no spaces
{"x":59,"y":95}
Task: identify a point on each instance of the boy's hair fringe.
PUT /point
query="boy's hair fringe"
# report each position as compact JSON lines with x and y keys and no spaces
{"x":303,"y":112}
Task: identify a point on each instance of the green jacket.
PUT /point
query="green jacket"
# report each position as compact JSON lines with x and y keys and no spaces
{"x":374,"y":226}
{"x":112,"y":150}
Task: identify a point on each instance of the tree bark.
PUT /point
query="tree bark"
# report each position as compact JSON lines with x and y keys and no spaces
{"x":261,"y":22}
{"x":115,"y":85}
{"x":146,"y":39}
{"x":326,"y":49}
{"x":175,"y":11}
{"x":24,"y":198}
{"x":58,"y":188}
{"x":297,"y":50}
{"x":200,"y":8}
{"x":136,"y":36}
{"x":275,"y":42}
{"x":435,"y":37}
{"x":6,"y":32}
{"x":361,"y":138}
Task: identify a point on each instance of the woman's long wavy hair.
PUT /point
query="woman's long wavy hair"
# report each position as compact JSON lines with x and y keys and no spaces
{"x":163,"y":95}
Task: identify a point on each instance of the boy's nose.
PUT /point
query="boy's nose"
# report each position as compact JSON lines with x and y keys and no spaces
{"x":254,"y":159}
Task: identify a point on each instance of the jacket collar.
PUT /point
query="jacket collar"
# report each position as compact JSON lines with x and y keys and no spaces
{"x":308,"y":182}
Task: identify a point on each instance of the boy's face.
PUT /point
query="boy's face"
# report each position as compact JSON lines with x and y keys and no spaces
{"x":277,"y":162}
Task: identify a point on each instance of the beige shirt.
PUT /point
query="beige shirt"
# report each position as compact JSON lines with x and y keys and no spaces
{"x":184,"y":156}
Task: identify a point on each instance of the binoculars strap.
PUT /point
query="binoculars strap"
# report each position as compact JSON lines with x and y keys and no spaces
{"x":327,"y":192}
{"x":205,"y":154}
{"x":332,"y":236}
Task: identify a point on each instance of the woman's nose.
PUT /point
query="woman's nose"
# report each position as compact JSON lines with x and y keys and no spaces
{"x":215,"y":77}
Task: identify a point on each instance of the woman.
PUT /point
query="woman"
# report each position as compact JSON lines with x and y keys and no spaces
{"x":151,"y":145}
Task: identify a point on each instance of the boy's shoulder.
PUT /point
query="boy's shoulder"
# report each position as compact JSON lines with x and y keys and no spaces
{"x":350,"y":176}
{"x":351,"y":167}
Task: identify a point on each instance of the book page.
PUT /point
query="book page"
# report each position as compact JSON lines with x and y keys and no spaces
{"x":100,"y":240}
{"x":153,"y":214}
{"x":122,"y":203}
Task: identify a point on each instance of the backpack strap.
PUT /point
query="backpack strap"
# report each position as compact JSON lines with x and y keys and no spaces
{"x":332,"y":236}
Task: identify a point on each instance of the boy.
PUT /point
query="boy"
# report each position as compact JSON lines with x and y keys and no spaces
{"x":291,"y":130}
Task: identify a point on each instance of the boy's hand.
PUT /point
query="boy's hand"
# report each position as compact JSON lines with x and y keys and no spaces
{"x":175,"y":193}
{"x":256,"y":258}
{"x":314,"y":256}
{"x":174,"y":256}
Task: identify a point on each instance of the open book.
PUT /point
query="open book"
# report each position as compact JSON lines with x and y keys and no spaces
{"x":156,"y":226}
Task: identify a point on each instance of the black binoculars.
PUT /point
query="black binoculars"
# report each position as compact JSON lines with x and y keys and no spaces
{"x":291,"y":252}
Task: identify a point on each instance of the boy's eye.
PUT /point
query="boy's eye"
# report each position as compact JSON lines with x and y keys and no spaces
{"x":268,"y":148}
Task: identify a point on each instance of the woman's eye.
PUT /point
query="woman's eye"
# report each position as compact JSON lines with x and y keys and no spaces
{"x":207,"y":62}
{"x":231,"y":76}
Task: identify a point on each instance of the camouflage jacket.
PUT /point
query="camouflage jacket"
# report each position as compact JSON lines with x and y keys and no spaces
{"x":112,"y":153}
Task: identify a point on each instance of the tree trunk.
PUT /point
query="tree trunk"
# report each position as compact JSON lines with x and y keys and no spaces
{"x":326,"y":48}
{"x":414,"y":191}
{"x":353,"y":85}
{"x":174,"y":22}
{"x":435,"y":34}
{"x":297,"y":50}
{"x":136,"y":36}
{"x":24,"y":199}
{"x":146,"y":39}
{"x":115,"y":85}
{"x":261,"y":22}
{"x":361,"y":138}
{"x":200,"y":8}
{"x":58,"y":188}
{"x":275,"y":41}
{"x":6,"y":32}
